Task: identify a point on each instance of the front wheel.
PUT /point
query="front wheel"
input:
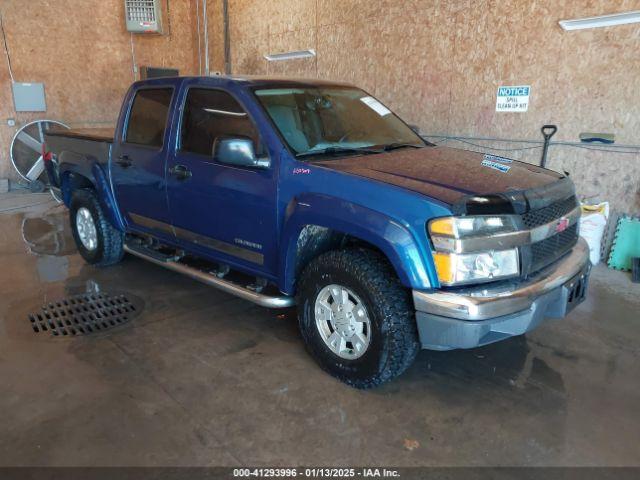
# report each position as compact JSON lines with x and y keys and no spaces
{"x":98,"y":242}
{"x":355,"y":317}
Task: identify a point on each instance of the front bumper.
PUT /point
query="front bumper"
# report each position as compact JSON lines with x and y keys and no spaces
{"x":471,"y":317}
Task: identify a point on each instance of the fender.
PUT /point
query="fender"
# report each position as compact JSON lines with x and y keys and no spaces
{"x":78,"y":171}
{"x":393,"y":238}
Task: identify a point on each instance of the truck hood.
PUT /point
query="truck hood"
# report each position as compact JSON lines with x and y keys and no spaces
{"x":448,"y":174}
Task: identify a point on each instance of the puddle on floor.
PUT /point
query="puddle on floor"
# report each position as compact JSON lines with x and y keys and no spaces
{"x":52,"y":268}
{"x":49,"y":234}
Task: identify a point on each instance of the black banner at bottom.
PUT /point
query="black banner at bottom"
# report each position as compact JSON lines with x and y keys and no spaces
{"x":214,"y":473}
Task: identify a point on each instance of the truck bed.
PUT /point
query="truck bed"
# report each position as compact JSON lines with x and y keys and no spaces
{"x":77,"y":146}
{"x":94,"y":134}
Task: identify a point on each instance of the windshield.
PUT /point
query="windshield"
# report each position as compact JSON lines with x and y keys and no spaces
{"x":324,"y":119}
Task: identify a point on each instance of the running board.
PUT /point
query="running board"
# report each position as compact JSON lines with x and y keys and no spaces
{"x":214,"y":281}
{"x":148,"y":252}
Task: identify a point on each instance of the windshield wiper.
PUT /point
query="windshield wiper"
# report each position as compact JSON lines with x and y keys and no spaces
{"x":393,"y":146}
{"x":338,"y":151}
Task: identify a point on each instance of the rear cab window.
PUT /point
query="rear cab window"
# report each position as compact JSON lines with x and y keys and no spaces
{"x":148,"y":117}
{"x":210,"y":114}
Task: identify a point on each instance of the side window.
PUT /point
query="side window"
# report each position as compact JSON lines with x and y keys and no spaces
{"x":210,"y":114}
{"x":148,"y":117}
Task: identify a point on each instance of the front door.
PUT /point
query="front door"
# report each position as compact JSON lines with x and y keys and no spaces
{"x":139,"y":163}
{"x":222,"y":211}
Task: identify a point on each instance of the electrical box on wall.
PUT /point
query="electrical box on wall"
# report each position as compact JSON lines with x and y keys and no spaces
{"x":143,"y":16}
{"x":29,"y":97}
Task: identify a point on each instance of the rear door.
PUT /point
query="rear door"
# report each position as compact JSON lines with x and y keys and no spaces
{"x":138,"y":166}
{"x":223,"y":211}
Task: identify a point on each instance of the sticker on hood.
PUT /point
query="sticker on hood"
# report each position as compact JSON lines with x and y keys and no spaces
{"x":496,"y":165}
{"x":495,"y":158}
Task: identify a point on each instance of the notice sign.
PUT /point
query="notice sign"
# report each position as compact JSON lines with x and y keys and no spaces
{"x":513,"y":99}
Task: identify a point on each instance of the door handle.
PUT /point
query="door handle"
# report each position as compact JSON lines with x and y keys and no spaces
{"x":124,"y":161}
{"x":180,"y":172}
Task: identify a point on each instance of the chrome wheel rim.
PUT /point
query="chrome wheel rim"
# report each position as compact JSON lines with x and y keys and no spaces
{"x":86,"y":229}
{"x":342,"y":321}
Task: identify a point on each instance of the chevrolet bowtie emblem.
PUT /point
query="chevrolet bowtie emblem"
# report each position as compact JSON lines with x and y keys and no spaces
{"x":562,"y":225}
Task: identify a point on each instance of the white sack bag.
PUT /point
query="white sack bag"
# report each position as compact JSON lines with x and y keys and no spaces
{"x":592,"y":225}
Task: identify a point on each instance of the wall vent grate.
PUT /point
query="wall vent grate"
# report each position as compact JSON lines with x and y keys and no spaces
{"x":142,"y":15}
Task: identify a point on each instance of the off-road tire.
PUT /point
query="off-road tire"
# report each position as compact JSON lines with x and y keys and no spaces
{"x":110,"y":249}
{"x":394,"y":337}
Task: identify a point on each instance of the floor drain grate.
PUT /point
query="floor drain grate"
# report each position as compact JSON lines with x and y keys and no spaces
{"x":84,"y":314}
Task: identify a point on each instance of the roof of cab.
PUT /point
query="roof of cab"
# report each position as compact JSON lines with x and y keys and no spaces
{"x":254,"y":81}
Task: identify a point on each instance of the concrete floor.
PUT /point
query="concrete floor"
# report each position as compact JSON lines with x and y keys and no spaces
{"x":202,"y":378}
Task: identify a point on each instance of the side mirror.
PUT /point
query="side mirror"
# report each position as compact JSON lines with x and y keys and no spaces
{"x":238,"y":151}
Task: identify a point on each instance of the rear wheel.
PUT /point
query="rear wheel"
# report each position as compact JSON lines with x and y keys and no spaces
{"x":355,"y":317}
{"x":98,"y":242}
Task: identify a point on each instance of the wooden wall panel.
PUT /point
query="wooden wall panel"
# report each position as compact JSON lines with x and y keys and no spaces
{"x":247,"y":55}
{"x":421,"y":92}
{"x":331,"y":12}
{"x":6,"y":111}
{"x":215,"y":30}
{"x":604,"y":79}
{"x":285,"y":17}
{"x":248,"y":19}
{"x":82,"y":52}
{"x":177,"y":47}
{"x":346,"y":53}
{"x":439,"y":64}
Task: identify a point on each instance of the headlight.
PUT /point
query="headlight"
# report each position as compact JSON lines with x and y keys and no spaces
{"x":490,"y":262}
{"x":462,"y":227}
{"x":461,"y":268}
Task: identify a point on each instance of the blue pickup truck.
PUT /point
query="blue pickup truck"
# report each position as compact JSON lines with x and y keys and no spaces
{"x":311,"y":193}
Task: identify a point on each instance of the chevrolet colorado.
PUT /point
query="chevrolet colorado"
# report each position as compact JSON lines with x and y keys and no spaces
{"x":311,"y":193}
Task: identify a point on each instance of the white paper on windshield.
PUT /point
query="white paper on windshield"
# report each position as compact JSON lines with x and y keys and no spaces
{"x":376,"y":106}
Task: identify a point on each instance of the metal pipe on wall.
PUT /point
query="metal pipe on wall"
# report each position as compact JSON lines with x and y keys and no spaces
{"x":227,"y":45}
{"x":6,"y":48}
{"x":539,"y":143}
{"x":205,"y":22}
{"x":199,"y":39}
{"x":134,"y":66}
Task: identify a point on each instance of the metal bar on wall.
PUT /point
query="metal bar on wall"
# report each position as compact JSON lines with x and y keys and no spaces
{"x":227,"y":45}
{"x":199,"y":38}
{"x":205,"y":23}
{"x":538,"y":143}
{"x":6,"y":49}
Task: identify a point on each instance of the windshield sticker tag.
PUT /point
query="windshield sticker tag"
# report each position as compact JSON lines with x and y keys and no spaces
{"x":496,"y":166}
{"x":495,"y":158}
{"x":376,"y":106}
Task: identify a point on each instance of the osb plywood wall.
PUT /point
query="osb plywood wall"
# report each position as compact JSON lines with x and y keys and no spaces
{"x":439,"y":64}
{"x":82,"y":52}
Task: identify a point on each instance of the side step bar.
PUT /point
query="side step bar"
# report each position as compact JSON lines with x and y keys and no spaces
{"x":261,"y":299}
